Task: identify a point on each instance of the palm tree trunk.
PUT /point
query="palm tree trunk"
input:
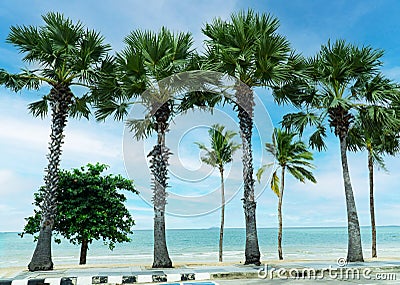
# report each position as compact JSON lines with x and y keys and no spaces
{"x":280,"y":254}
{"x":159,"y":164}
{"x":245,"y":108}
{"x":60,"y":97}
{"x":84,"y":249}
{"x":161,"y":255}
{"x":354,"y":250}
{"x":41,"y":259}
{"x":371,"y":202}
{"x":221,"y":231}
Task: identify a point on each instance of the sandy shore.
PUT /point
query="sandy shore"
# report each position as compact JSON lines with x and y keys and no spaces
{"x":10,"y":272}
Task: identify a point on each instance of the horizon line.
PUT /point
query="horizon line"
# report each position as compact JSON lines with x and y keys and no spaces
{"x":242,"y":228}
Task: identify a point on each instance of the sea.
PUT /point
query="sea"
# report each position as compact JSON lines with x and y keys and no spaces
{"x":201,"y":246}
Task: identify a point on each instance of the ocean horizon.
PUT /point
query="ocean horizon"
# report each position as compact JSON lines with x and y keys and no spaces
{"x":201,"y":245}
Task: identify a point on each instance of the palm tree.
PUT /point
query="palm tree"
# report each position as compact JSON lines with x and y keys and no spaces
{"x":221,"y":153}
{"x":65,"y":55}
{"x":377,"y":140}
{"x":377,"y":143}
{"x":143,"y":70}
{"x":331,"y":95}
{"x":292,"y":156}
{"x":248,"y":48}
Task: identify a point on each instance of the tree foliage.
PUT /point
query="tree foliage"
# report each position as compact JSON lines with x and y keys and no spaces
{"x":290,"y":154}
{"x":89,"y":207}
{"x":66,"y":54}
{"x":222,"y":147}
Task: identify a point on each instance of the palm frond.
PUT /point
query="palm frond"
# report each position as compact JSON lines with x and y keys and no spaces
{"x":80,"y":107}
{"x":275,"y":184}
{"x":39,"y":108}
{"x":16,"y":82}
{"x":378,"y":160}
{"x":141,"y":128}
{"x":107,"y":108}
{"x":317,"y":139}
{"x":299,"y":121}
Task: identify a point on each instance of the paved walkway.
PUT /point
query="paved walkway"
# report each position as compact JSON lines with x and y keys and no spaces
{"x":187,"y":274}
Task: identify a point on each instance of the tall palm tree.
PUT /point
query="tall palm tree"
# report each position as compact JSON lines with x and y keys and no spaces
{"x":377,"y":143}
{"x":220,"y":153}
{"x":249,"y":48}
{"x":377,"y":140}
{"x":65,"y":54}
{"x":292,"y":156}
{"x":331,"y":95}
{"x":142,"y":71}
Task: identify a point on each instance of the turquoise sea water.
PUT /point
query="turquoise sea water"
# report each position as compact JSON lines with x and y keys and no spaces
{"x":201,"y":245}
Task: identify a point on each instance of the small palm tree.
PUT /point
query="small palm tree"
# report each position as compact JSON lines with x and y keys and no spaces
{"x":220,"y":153}
{"x":65,"y":55}
{"x":249,"y":48}
{"x":292,"y":156}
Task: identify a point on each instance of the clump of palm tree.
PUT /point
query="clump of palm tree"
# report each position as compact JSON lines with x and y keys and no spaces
{"x":378,"y":140}
{"x":65,"y":54}
{"x":249,"y":48}
{"x":292,"y":156}
{"x":218,"y":155}
{"x":330,"y":97}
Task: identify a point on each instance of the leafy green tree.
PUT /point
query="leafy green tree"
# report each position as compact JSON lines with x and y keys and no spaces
{"x":377,"y":140}
{"x":249,"y":48}
{"x":332,"y":96}
{"x":89,"y":207}
{"x":64,"y":54}
{"x":137,"y":73}
{"x":292,"y":156}
{"x":220,"y":154}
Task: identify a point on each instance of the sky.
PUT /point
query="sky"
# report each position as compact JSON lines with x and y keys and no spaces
{"x":194,"y":187}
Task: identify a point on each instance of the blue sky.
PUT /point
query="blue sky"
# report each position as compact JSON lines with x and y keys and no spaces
{"x":307,"y":25}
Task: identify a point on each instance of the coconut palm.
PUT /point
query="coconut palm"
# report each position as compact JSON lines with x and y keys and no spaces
{"x":292,"y":156}
{"x":141,"y":71}
{"x":249,"y":48}
{"x":331,"y":95}
{"x":65,"y":54}
{"x":377,"y":140}
{"x":220,"y":153}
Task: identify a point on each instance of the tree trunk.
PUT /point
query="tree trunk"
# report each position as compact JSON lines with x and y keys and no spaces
{"x":354,"y":250}
{"x":280,"y":254}
{"x":41,"y":259}
{"x":61,"y":98}
{"x":245,"y":108}
{"x":159,"y":169}
{"x":221,"y":231}
{"x":161,"y":255}
{"x":371,"y":201}
{"x":84,"y":249}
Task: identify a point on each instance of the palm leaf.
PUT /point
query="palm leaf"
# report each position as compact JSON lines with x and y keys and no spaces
{"x":80,"y":107}
{"x":141,"y":128}
{"x":275,"y":184}
{"x":39,"y":108}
